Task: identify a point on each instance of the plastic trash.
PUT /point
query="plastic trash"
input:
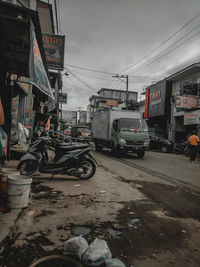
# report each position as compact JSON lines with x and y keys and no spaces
{"x":75,"y":246}
{"x":21,"y":134}
{"x":114,"y":263}
{"x":97,"y":252}
{"x":26,"y":132}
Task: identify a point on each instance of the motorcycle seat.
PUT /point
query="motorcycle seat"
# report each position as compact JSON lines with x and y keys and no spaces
{"x":71,"y":146}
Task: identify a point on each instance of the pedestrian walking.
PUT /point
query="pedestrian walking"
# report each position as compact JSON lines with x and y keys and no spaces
{"x":194,"y":142}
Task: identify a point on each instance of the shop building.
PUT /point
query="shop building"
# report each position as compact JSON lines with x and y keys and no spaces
{"x":157,"y":107}
{"x":25,"y":92}
{"x":185,"y":103}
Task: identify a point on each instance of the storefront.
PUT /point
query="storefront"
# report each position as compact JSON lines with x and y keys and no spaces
{"x":185,"y":103}
{"x":157,"y":107}
{"x":21,"y":55}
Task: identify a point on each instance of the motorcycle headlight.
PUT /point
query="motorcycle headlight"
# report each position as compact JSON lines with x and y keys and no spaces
{"x":122,"y":141}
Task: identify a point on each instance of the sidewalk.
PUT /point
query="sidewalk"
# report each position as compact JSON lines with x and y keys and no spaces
{"x":8,"y":218}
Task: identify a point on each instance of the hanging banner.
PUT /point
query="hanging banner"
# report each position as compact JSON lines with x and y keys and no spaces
{"x":29,"y":121}
{"x":24,"y":84}
{"x":192,"y":117}
{"x":38,"y":75}
{"x":54,"y":46}
{"x":186,"y":102}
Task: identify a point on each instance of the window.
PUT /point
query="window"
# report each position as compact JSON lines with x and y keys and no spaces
{"x":189,"y":89}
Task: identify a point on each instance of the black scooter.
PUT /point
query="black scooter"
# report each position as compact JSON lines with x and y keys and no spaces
{"x":74,"y":159}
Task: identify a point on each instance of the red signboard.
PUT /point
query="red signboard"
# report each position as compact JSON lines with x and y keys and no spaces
{"x":146,"y":111}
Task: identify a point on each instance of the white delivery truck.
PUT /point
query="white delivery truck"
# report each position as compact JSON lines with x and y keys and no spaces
{"x":121,"y":131}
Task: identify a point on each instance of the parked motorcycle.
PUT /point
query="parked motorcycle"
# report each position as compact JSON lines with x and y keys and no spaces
{"x":179,"y":148}
{"x":74,"y":159}
{"x":187,"y":148}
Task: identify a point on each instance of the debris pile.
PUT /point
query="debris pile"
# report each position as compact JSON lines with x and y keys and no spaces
{"x":95,"y":254}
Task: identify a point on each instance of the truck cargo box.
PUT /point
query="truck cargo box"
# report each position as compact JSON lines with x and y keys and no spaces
{"x":102,"y":122}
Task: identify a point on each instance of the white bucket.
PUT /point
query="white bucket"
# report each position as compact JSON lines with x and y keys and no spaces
{"x":18,"y":190}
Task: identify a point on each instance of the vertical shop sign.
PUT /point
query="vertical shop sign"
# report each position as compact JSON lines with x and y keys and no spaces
{"x":29,"y":121}
{"x":54,"y":50}
{"x":157,"y":99}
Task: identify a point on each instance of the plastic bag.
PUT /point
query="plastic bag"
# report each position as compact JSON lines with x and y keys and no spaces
{"x":97,"y":252}
{"x":26,"y":131}
{"x":75,"y":246}
{"x":114,"y":263}
{"x":22,"y":137}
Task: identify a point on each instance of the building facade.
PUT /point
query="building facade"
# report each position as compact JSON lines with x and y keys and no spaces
{"x":185,"y":103}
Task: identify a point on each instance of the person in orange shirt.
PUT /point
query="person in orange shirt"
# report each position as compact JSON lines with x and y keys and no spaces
{"x":194,"y":142}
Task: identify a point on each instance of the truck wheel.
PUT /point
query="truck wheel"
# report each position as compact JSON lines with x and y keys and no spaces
{"x":114,"y":150}
{"x":98,"y":147}
{"x":141,"y":154}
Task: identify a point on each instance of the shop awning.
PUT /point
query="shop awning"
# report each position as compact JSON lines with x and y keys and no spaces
{"x":15,"y":42}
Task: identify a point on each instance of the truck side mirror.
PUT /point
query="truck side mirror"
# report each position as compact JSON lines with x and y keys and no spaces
{"x":115,"y":125}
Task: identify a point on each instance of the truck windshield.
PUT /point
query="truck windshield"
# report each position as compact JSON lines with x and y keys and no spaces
{"x":135,"y":125}
{"x":83,"y":130}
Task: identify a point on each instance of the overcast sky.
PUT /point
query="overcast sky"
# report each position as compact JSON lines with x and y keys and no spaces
{"x":124,"y":37}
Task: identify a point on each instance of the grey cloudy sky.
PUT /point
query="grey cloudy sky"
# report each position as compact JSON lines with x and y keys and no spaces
{"x":114,"y":35}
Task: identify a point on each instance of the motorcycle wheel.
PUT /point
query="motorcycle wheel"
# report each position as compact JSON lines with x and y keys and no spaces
{"x":28,"y":167}
{"x":89,"y":169}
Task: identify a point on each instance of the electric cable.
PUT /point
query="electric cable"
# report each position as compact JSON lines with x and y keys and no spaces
{"x":161,"y":53}
{"x":109,"y":73}
{"x":80,"y":80}
{"x":164,"y":42}
{"x":78,"y":91}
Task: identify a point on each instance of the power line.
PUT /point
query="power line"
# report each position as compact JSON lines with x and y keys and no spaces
{"x":94,"y":77}
{"x":78,"y":91}
{"x":83,"y":68}
{"x":81,"y":81}
{"x":161,"y":54}
{"x":109,"y":73}
{"x":165,"y":41}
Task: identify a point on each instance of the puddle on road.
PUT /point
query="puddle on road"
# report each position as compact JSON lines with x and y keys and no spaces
{"x":146,"y":202}
{"x":113,"y":233}
{"x":81,"y":230}
{"x":134,"y":223}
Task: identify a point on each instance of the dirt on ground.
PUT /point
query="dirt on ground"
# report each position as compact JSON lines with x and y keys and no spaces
{"x":143,"y":223}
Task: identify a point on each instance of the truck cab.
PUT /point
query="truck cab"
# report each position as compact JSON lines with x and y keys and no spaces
{"x":130,"y":135}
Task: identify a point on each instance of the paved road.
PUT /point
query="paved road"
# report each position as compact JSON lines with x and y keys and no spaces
{"x":177,"y":168}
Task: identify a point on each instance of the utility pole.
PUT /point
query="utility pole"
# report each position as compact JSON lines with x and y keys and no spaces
{"x":60,"y":97}
{"x":78,"y":115}
{"x":124,"y":77}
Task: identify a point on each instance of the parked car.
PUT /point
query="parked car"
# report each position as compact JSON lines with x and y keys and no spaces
{"x":160,"y":143}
